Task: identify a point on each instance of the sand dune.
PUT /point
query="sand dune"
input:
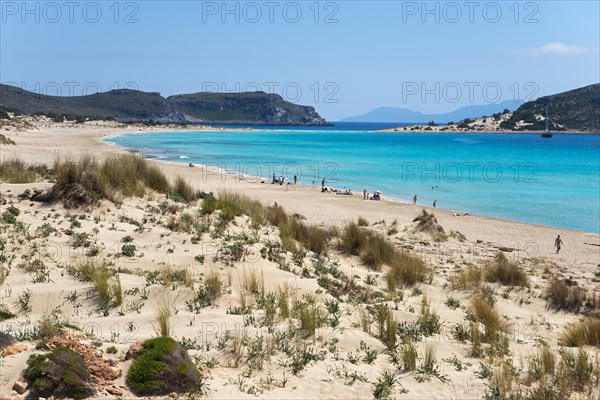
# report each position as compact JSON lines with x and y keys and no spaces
{"x":250,"y":353}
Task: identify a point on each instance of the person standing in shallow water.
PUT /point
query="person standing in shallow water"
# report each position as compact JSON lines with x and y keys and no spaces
{"x":434,"y":203}
{"x":558,"y":243}
{"x":415,"y":199}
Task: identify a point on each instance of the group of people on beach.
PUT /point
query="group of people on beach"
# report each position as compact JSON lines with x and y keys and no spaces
{"x":281,"y":180}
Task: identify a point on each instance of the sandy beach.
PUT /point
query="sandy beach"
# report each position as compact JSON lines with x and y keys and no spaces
{"x":340,"y":371}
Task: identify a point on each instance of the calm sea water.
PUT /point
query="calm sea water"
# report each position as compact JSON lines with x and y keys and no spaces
{"x":553,"y":182}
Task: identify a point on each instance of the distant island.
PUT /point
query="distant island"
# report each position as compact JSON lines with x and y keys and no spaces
{"x":572,"y":111}
{"x":405,"y":115}
{"x":129,"y":106}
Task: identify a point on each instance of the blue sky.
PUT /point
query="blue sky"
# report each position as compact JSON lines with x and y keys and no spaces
{"x":343,"y":57}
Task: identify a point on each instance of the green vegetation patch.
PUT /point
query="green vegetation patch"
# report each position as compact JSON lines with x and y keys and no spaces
{"x":163,"y":366}
{"x":61,"y":373}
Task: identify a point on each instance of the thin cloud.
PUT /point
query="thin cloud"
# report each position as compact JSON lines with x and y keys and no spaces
{"x":556,"y":49}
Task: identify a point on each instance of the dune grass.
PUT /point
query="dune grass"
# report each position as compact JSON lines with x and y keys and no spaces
{"x":108,"y":288}
{"x":409,"y":356}
{"x":291,"y":229}
{"x":483,"y":312}
{"x":584,"y":332}
{"x":169,"y":276}
{"x":375,"y":251}
{"x":505,"y":272}
{"x":362,"y":222}
{"x":468,"y":278}
{"x":16,"y":171}
{"x":562,"y":295}
{"x":86,"y":181}
{"x":213,"y":285}
{"x":182,"y":191}
{"x":163,"y":316}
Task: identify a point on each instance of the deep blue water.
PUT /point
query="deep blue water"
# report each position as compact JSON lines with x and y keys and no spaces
{"x":521,"y":177}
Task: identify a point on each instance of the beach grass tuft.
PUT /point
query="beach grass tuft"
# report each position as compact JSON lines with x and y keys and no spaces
{"x":375,"y":251}
{"x":566,"y":295}
{"x":505,"y":272}
{"x":86,"y":181}
{"x":584,"y":332}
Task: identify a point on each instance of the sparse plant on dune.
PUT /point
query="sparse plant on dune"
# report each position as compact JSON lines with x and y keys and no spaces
{"x":468,"y":278}
{"x":384,"y":385}
{"x":163,"y":316}
{"x":483,"y":312}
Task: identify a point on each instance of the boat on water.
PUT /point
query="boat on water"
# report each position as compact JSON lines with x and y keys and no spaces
{"x":546,"y":134}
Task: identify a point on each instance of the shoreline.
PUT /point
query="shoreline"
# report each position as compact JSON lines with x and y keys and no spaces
{"x":356,"y":192}
{"x":45,"y":144}
{"x":116,"y":131}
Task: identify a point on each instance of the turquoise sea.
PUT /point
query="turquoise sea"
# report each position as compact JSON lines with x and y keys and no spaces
{"x":521,"y":177}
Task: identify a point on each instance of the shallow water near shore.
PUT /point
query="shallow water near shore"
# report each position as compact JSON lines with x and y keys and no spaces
{"x":522,"y":177}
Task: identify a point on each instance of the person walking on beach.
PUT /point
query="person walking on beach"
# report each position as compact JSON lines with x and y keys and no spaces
{"x":273,"y":178}
{"x":323,"y":184}
{"x":365,"y":194}
{"x":414,"y":199}
{"x":295,"y":179}
{"x":558,"y":243}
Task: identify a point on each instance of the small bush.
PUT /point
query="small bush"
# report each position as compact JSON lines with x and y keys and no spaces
{"x":163,"y":366}
{"x":128,"y":250}
{"x":61,"y":374}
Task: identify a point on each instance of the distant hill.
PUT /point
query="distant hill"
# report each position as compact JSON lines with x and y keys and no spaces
{"x":575,"y":110}
{"x":124,"y":105}
{"x":394,"y":114}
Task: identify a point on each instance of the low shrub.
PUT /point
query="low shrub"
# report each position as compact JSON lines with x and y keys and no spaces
{"x":163,"y":366}
{"x":61,"y":373}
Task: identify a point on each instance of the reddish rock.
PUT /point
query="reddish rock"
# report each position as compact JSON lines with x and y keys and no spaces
{"x":14,"y":349}
{"x":133,"y":351}
{"x":99,"y":367}
{"x":114,"y":391}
